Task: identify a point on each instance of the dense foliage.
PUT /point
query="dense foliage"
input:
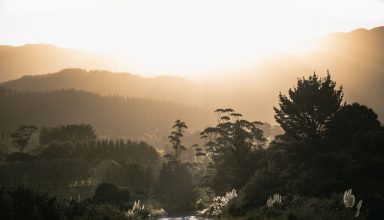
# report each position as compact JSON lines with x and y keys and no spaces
{"x":174,"y":187}
{"x":22,"y":203}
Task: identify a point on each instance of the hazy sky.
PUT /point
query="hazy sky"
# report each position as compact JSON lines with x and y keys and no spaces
{"x":179,"y":36}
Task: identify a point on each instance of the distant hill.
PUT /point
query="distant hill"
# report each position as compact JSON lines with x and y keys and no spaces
{"x":168,"y":88}
{"x":112,"y":116}
{"x":35,"y":59}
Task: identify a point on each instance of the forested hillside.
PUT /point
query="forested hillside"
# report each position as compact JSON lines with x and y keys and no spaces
{"x":112,"y":116}
{"x":166,"y":88}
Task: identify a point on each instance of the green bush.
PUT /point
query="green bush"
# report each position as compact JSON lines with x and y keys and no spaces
{"x":174,"y":187}
{"x":109,"y":193}
{"x":23,"y":203}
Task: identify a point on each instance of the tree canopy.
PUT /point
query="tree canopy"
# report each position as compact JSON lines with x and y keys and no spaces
{"x":175,"y":138}
{"x":21,"y":136}
{"x":231,"y":146}
{"x":305,"y":114}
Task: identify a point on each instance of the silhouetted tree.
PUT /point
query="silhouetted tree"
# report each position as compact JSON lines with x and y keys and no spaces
{"x":231,"y":146}
{"x":199,"y":152}
{"x":175,"y":138}
{"x":350,"y":120}
{"x":306,"y":113}
{"x":22,"y":135}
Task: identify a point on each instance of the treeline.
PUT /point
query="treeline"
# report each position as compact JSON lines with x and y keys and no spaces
{"x":71,"y":161}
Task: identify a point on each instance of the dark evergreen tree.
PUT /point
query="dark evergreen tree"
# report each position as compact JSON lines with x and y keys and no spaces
{"x":231,"y":146}
{"x":175,"y":138}
{"x":350,"y":120}
{"x":305,"y":114}
{"x":21,"y":136}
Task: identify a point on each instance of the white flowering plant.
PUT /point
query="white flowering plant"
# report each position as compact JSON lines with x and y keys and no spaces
{"x":219,"y":203}
{"x":273,"y":200}
{"x":349,"y":201}
{"x":137,"y":211}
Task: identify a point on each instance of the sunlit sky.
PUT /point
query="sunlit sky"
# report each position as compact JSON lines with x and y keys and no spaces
{"x":180,"y":36}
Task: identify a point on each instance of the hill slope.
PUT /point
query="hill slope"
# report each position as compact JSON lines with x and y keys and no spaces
{"x":112,"y":116}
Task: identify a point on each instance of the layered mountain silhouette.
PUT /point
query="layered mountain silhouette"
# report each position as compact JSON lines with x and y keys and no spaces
{"x":354,"y":60}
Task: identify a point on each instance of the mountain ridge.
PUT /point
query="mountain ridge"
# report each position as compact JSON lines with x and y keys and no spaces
{"x":355,"y":60}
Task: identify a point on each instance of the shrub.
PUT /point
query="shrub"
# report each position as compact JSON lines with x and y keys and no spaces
{"x":109,"y":193}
